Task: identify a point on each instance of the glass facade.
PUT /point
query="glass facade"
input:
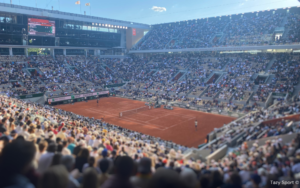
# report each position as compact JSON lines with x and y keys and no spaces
{"x":14,"y":31}
{"x":78,"y":26}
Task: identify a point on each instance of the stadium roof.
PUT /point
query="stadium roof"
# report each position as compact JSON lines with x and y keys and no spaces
{"x":11,"y":8}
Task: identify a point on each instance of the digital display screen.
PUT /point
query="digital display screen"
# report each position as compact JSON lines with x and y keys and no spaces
{"x":41,"y":27}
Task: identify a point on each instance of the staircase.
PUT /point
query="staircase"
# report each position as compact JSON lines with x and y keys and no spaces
{"x":224,"y":35}
{"x":26,"y":71}
{"x":270,"y":78}
{"x":182,"y":76}
{"x":190,"y":90}
{"x":212,"y":38}
{"x":39,"y":79}
{"x":39,"y":71}
{"x":209,"y":76}
{"x":284,"y":21}
{"x":220,"y":77}
{"x":178,"y":75}
{"x":254,"y":76}
{"x":167,"y":45}
{"x":285,"y":35}
{"x":270,"y":64}
{"x":255,"y":88}
{"x":223,"y":68}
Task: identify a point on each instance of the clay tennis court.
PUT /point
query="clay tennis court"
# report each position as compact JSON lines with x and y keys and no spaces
{"x":176,"y":125}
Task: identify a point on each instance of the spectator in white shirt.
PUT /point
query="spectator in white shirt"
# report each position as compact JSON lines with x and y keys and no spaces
{"x":65,"y":150}
{"x":25,"y":132}
{"x":39,"y":132}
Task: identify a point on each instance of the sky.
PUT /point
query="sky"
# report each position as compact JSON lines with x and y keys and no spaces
{"x":157,"y":11}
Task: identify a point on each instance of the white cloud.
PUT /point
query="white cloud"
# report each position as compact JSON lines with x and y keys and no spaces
{"x":159,"y":9}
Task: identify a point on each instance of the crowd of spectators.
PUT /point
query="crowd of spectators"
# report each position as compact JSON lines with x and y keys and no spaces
{"x":60,"y":149}
{"x":293,"y":28}
{"x":245,"y":29}
{"x":203,"y":79}
{"x":252,"y":30}
{"x":185,"y":77}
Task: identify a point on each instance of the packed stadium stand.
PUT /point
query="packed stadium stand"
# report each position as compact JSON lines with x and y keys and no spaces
{"x":249,"y":29}
{"x":43,"y":146}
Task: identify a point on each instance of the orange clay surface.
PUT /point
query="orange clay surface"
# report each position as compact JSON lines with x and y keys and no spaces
{"x":177,"y":125}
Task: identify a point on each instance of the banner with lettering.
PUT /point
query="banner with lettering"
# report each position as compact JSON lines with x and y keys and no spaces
{"x":57,"y":99}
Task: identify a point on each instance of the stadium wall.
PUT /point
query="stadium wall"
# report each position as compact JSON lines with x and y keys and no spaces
{"x":234,"y":49}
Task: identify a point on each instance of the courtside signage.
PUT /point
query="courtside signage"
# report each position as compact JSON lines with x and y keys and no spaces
{"x":57,"y":99}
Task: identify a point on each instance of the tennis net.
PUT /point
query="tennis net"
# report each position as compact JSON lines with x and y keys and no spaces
{"x":133,"y":111}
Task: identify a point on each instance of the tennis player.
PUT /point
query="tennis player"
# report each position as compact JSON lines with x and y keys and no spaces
{"x":196,"y":124}
{"x":97,"y":102}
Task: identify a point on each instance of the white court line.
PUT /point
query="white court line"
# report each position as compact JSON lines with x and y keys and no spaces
{"x":120,"y":109}
{"x":162,"y":128}
{"x":105,"y":113}
{"x":131,"y":120}
{"x":174,"y":113}
{"x":143,"y":114}
{"x":159,"y":117}
{"x":177,"y":124}
{"x":134,"y":107}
